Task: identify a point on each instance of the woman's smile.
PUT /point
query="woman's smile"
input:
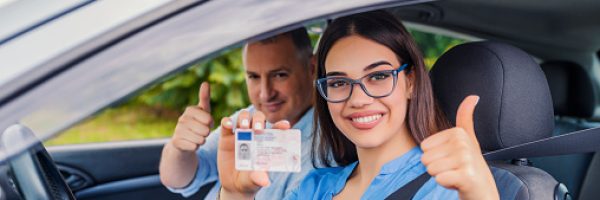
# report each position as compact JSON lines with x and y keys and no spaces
{"x":366,"y":119}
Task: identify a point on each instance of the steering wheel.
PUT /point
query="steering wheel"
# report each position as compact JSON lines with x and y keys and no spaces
{"x":35,"y":174}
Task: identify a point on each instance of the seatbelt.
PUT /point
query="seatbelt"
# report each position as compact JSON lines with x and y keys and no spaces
{"x":589,"y":187}
{"x":409,"y":190}
{"x":583,"y":141}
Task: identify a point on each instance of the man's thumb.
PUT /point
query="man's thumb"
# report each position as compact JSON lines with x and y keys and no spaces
{"x":464,"y":115}
{"x":204,"y":97}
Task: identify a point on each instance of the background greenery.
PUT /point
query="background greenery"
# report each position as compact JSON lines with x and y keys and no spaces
{"x":154,"y":112}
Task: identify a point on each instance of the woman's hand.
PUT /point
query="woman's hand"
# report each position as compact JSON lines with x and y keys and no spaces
{"x":454,"y":158}
{"x":240,"y":184}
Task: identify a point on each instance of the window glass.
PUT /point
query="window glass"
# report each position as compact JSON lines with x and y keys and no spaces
{"x":433,"y":45}
{"x":153,"y":112}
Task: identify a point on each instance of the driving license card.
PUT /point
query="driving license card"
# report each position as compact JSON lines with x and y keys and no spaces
{"x":272,"y":150}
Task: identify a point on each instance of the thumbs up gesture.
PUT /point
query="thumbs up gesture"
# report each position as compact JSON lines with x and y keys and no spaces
{"x":454,"y":158}
{"x":194,"y":124}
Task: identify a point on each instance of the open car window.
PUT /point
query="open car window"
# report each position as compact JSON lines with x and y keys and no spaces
{"x":153,"y":111}
{"x":105,"y":71}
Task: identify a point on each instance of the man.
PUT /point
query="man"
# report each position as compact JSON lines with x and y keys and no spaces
{"x":279,"y":74}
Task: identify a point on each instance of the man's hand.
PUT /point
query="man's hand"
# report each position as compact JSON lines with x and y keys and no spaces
{"x":454,"y":158}
{"x":179,"y":162}
{"x":241,"y":184}
{"x":194,"y":124}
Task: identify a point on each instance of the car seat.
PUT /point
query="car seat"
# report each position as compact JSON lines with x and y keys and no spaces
{"x":515,"y":107}
{"x":574,"y":101}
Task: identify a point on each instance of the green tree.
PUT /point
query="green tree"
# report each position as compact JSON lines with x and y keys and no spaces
{"x":433,"y":45}
{"x":154,"y":111}
{"x":225,"y":74}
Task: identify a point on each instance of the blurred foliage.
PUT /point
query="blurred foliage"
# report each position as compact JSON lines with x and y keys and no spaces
{"x":226,"y":77}
{"x":225,"y":74}
{"x":121,"y":123}
{"x":433,"y":45}
{"x":153,"y":113}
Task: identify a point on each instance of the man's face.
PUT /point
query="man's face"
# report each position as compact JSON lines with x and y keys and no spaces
{"x":279,"y":82}
{"x":244,"y":148}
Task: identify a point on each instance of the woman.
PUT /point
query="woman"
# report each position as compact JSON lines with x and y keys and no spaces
{"x":375,"y":107}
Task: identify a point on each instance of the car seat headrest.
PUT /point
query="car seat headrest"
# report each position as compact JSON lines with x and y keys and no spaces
{"x":515,"y":104}
{"x":571,"y":88}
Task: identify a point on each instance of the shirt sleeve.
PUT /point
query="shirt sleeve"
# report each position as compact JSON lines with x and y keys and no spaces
{"x":207,"y":166}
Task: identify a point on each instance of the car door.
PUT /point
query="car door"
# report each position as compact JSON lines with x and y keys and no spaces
{"x":102,"y":71}
{"x":115,"y":170}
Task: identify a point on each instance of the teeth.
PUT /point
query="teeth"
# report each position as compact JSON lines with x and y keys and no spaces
{"x":367,"y":119}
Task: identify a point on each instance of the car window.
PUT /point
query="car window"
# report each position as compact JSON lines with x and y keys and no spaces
{"x":433,"y":45}
{"x":93,"y":74}
{"x":153,"y":112}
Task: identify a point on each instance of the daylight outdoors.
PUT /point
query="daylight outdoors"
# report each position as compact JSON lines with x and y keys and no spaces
{"x":154,"y":111}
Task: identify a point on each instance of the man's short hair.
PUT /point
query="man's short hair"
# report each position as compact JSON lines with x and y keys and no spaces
{"x":301,"y":41}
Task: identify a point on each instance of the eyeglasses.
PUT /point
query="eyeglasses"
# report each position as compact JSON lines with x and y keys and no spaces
{"x":376,"y":84}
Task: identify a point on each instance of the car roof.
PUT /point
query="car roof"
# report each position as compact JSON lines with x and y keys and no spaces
{"x":549,"y":23}
{"x":547,"y":29}
{"x":551,"y":30}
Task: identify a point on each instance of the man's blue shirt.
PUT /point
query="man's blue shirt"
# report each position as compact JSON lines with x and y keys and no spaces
{"x":281,"y":183}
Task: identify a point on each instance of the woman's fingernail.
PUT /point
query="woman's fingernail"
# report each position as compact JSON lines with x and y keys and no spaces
{"x":258,"y":125}
{"x":245,"y":123}
{"x":228,"y":123}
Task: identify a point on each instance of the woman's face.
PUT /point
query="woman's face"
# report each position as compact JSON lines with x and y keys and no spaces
{"x":368,"y":122}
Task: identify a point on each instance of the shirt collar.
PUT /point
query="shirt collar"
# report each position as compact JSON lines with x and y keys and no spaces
{"x":305,"y":121}
{"x":343,"y":177}
{"x":304,"y":124}
{"x":406,"y":161}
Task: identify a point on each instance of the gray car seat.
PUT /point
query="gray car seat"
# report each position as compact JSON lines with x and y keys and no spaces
{"x":574,"y":101}
{"x":515,"y":107}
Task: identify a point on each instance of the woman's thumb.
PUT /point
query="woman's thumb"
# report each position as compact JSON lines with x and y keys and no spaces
{"x":464,"y":115}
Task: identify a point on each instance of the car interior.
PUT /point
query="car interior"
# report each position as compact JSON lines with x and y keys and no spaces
{"x":568,"y":65}
{"x":535,"y":82}
{"x":515,"y":108}
{"x":572,"y":95}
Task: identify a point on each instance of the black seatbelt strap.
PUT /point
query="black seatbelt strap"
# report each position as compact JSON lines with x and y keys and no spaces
{"x":582,"y":141}
{"x":409,"y":190}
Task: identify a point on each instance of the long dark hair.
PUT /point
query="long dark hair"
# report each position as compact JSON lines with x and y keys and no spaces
{"x":423,"y":115}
